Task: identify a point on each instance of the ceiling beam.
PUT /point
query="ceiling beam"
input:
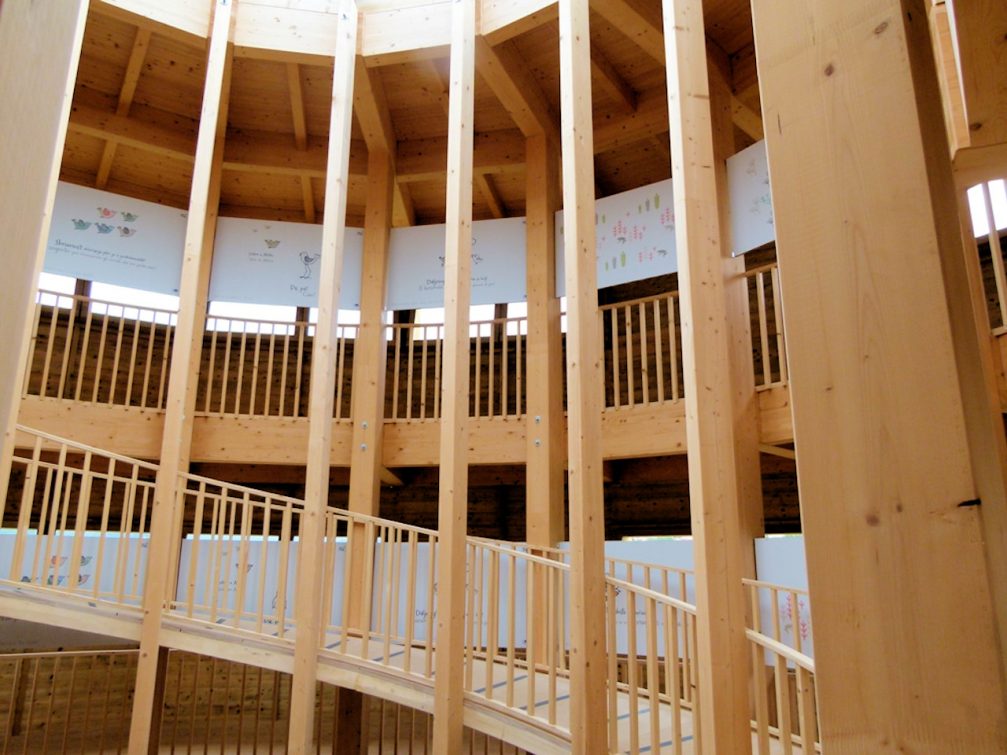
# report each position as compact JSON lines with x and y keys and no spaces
{"x":516,"y":87}
{"x":650,"y":119}
{"x":371,"y":108}
{"x":746,"y":119}
{"x":609,"y":80}
{"x":297,"y":105}
{"x":426,"y":159}
{"x":403,"y":212}
{"x":636,"y":20}
{"x":129,"y":80}
{"x":485,"y":185}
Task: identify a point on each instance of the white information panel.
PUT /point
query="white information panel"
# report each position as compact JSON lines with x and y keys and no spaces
{"x":780,"y":560}
{"x":273,"y":262}
{"x":750,"y":199}
{"x":416,"y":264}
{"x":96,"y":235}
{"x":634,"y":233}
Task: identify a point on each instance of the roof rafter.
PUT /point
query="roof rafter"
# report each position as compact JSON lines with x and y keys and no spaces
{"x":516,"y":87}
{"x":129,"y":80}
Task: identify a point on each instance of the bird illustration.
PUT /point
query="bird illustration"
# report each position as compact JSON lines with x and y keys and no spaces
{"x":308,"y":260}
{"x":129,"y":217}
{"x":105,"y":212}
{"x":104,"y":228}
{"x":125,"y":232}
{"x":80,"y":225}
{"x":272,"y":243}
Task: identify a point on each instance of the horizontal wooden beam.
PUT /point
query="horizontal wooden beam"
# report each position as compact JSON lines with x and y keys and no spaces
{"x":609,"y":80}
{"x":516,"y":87}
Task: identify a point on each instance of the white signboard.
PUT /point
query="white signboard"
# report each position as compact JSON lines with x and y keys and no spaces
{"x":780,"y":560}
{"x":273,"y":262}
{"x":416,"y":264}
{"x":751,"y":202}
{"x":99,"y":236}
{"x":634,"y":233}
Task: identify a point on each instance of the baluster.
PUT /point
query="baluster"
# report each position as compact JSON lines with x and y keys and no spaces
{"x":253,"y":388}
{"x":781,"y":346}
{"x":131,"y":374}
{"x":616,"y":363}
{"x":767,"y":370}
{"x":239,"y":383}
{"x":644,"y":366}
{"x":82,"y":368}
{"x":630,"y":376}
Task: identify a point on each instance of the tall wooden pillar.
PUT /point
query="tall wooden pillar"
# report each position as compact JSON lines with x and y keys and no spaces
{"x":201,"y":226}
{"x":452,"y":500}
{"x":308,"y":601}
{"x":866,"y":227}
{"x":545,"y":446}
{"x":709,"y":396}
{"x":588,"y":705}
{"x":39,"y":50}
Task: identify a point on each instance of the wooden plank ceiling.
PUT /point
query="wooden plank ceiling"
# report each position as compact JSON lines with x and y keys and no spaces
{"x":138,"y":96}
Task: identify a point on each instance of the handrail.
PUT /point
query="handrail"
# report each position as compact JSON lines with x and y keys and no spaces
{"x":86,"y":448}
{"x":784,"y":651}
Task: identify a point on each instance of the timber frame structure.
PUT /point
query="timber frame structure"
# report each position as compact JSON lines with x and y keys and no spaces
{"x":372,"y":466}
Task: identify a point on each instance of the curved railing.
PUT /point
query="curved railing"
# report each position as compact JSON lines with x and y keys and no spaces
{"x":83,"y":524}
{"x":783,"y":671}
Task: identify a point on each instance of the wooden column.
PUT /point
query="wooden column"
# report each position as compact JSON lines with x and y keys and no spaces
{"x":737,"y":314}
{"x":452,"y":502}
{"x":709,"y":399}
{"x":201,"y":226}
{"x":866,"y":226}
{"x":588,"y":703}
{"x":546,"y":460}
{"x":308,"y":601}
{"x":39,"y":50}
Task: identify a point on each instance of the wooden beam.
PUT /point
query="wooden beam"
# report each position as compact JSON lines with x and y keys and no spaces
{"x":495,"y":152}
{"x":979,"y":31}
{"x":371,"y":108}
{"x":389,"y":478}
{"x":40,"y":47}
{"x":403,"y":212}
{"x":500,"y":20}
{"x":507,"y":74}
{"x":439,"y":92}
{"x":947,"y":75}
{"x":452,"y":504}
{"x":637,"y":20}
{"x":721,"y":644}
{"x":187,"y":344}
{"x":886,"y":447}
{"x":783,"y":453}
{"x":129,"y":80}
{"x":308,"y":196}
{"x":322,"y":390}
{"x":609,"y":81}
{"x":489,"y":192}
{"x":545,"y":435}
{"x":649,"y":120}
{"x":746,"y":119}
{"x":588,"y":709}
{"x":297,"y":105}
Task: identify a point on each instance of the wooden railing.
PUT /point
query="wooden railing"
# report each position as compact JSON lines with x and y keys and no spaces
{"x":238,"y":560}
{"x":656,"y":635}
{"x":379,"y":592}
{"x":262,"y":368}
{"x":783,"y":673}
{"x":83,"y":521}
{"x":768,"y":344}
{"x":89,"y":350}
{"x":497,"y":369}
{"x":643,"y":348}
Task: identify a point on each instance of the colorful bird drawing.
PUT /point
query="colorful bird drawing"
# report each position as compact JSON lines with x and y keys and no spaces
{"x":308,"y":260}
{"x":124,"y":231}
{"x":129,"y":217}
{"x":103,"y":228}
{"x":105,"y":212}
{"x":80,"y":225}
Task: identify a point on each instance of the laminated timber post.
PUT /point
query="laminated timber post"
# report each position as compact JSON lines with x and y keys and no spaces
{"x":546,"y":460}
{"x":308,"y":601}
{"x":711,"y":438}
{"x":370,"y":352}
{"x":869,"y":250}
{"x":588,"y":702}
{"x":176,"y":439}
{"x":39,"y":50}
{"x":452,"y":502}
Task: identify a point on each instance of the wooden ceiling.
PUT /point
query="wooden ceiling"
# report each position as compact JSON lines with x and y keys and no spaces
{"x":138,"y":95}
